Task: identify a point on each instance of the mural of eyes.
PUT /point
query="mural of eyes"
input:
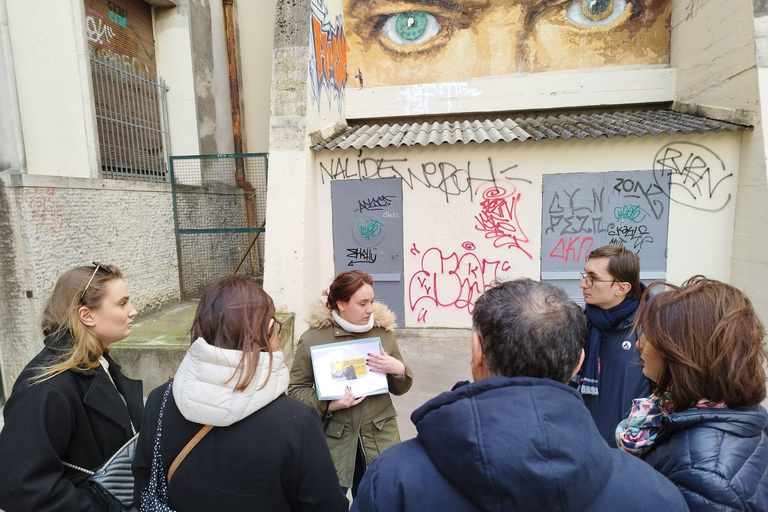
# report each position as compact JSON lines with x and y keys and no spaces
{"x":410,"y":27}
{"x":596,"y":13}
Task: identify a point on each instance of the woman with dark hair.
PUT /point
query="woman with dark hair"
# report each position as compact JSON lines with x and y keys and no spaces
{"x":357,"y":429}
{"x":266,"y":451}
{"x":71,"y":406}
{"x":703,"y":427}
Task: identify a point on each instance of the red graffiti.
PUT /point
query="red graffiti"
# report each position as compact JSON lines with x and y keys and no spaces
{"x":422,"y":318}
{"x":498,"y":218}
{"x":573,"y":249}
{"x":453,"y":280}
{"x":414,"y":250}
{"x":330,"y":46}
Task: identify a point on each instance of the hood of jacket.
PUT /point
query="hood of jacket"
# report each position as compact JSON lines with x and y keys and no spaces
{"x":495,"y":437}
{"x":383,"y":318}
{"x":204,"y":390}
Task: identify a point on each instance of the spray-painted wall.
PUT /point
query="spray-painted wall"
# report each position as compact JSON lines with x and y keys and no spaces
{"x":418,"y":41}
{"x":327,"y":64}
{"x":474,"y":213}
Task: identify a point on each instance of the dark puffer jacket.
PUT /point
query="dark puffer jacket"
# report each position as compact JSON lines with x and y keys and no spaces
{"x":718,"y":458}
{"x":511,"y":444}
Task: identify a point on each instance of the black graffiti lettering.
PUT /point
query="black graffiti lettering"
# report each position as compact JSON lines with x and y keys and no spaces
{"x":361,"y":255}
{"x":374,"y":203}
{"x":451,"y":179}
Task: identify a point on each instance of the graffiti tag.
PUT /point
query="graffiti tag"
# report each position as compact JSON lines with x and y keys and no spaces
{"x":452,"y":281}
{"x":328,"y":62}
{"x":697,"y":177}
{"x":498,"y":219}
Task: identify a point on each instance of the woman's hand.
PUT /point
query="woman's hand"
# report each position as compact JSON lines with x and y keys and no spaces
{"x":385,"y":363}
{"x":348,"y":401}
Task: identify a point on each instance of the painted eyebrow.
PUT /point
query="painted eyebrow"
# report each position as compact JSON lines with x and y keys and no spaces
{"x":372,"y":4}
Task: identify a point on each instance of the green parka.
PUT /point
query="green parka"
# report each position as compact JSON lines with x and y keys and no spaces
{"x":372,"y":423}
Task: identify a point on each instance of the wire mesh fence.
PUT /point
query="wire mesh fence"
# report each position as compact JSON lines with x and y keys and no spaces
{"x":131,"y":120}
{"x":219,"y":204}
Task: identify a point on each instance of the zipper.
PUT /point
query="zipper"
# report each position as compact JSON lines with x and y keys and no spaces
{"x":103,"y":466}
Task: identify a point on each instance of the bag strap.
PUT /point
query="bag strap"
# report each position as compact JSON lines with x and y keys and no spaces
{"x":191,"y":444}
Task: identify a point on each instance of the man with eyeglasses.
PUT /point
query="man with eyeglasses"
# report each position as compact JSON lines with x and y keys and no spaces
{"x":611,"y":375}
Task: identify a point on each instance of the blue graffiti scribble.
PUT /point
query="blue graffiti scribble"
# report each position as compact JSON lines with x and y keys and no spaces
{"x":369,"y":229}
{"x":630,"y":212}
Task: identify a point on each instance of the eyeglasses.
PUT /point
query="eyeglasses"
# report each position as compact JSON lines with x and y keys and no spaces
{"x":101,"y":266}
{"x":591,"y":280}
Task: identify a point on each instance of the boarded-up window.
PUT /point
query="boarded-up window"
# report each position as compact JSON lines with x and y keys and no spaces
{"x":127,"y":93}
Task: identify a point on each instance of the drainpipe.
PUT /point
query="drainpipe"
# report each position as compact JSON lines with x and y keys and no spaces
{"x":237,"y":127}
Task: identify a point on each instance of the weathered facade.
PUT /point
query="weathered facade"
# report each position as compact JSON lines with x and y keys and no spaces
{"x":480,"y":205}
{"x":58,"y":206}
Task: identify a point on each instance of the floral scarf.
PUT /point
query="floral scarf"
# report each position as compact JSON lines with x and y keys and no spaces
{"x":638,"y":433}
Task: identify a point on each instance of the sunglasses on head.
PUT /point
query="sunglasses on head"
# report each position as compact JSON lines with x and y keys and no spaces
{"x":97,"y":266}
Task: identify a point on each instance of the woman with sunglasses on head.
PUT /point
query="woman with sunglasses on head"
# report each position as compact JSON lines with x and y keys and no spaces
{"x":703,"y":426}
{"x":357,"y":429}
{"x":71,"y":405}
{"x":265,"y":451}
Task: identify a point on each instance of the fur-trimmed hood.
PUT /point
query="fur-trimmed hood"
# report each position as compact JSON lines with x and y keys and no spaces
{"x":383,"y":318}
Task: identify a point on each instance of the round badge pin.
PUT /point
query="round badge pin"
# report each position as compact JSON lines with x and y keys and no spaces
{"x":626,"y":345}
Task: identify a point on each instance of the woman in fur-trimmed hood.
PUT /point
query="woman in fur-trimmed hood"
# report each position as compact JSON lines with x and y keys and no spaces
{"x":357,"y":429}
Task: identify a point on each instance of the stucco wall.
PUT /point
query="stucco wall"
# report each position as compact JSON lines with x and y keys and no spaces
{"x":54,"y":89}
{"x":256,"y":22}
{"x":209,"y":59}
{"x":442,"y":194}
{"x":55,"y":224}
{"x":713,"y":49}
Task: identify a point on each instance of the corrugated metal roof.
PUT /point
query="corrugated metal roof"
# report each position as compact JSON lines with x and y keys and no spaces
{"x":556,"y":126}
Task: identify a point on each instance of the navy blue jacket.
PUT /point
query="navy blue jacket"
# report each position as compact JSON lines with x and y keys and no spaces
{"x":511,"y":444}
{"x":718,"y":458}
{"x":621,"y":380}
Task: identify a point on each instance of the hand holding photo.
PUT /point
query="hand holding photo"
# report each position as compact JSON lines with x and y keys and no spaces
{"x":340,"y":365}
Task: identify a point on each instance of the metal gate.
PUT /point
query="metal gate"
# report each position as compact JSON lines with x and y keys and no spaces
{"x":219,"y":211}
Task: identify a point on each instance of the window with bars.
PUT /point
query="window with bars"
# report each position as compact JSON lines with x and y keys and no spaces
{"x":129,"y":98}
{"x":131,"y":119}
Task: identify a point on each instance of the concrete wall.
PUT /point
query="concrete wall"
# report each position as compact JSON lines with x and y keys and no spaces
{"x":50,"y":224}
{"x":205,"y":257}
{"x":255,"y":36}
{"x":713,"y":49}
{"x":209,"y":58}
{"x":173,"y":51}
{"x":441,"y":235}
{"x":11,"y":144}
{"x":52,"y":70}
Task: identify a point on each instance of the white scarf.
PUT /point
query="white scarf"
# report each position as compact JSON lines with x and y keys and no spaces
{"x":350,"y":327}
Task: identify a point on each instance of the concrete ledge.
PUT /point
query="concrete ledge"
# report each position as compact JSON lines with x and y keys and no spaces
{"x":158,"y":343}
{"x":45,"y":181}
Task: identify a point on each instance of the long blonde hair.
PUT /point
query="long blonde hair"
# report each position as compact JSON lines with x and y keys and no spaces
{"x":61,"y":318}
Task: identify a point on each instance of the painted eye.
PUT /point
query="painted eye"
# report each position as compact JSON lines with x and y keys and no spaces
{"x":596,"y":13}
{"x":410,"y":27}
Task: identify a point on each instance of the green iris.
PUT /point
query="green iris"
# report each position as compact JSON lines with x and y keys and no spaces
{"x":411,"y":25}
{"x":598,"y":7}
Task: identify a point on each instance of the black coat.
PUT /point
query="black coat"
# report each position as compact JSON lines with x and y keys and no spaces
{"x":77,"y":417}
{"x":718,"y":458}
{"x":275,"y":459}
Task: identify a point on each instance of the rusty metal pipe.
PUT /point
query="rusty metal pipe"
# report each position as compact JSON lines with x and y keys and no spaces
{"x":237,"y":125}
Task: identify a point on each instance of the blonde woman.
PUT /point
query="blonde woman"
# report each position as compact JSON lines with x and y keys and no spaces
{"x":71,"y":404}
